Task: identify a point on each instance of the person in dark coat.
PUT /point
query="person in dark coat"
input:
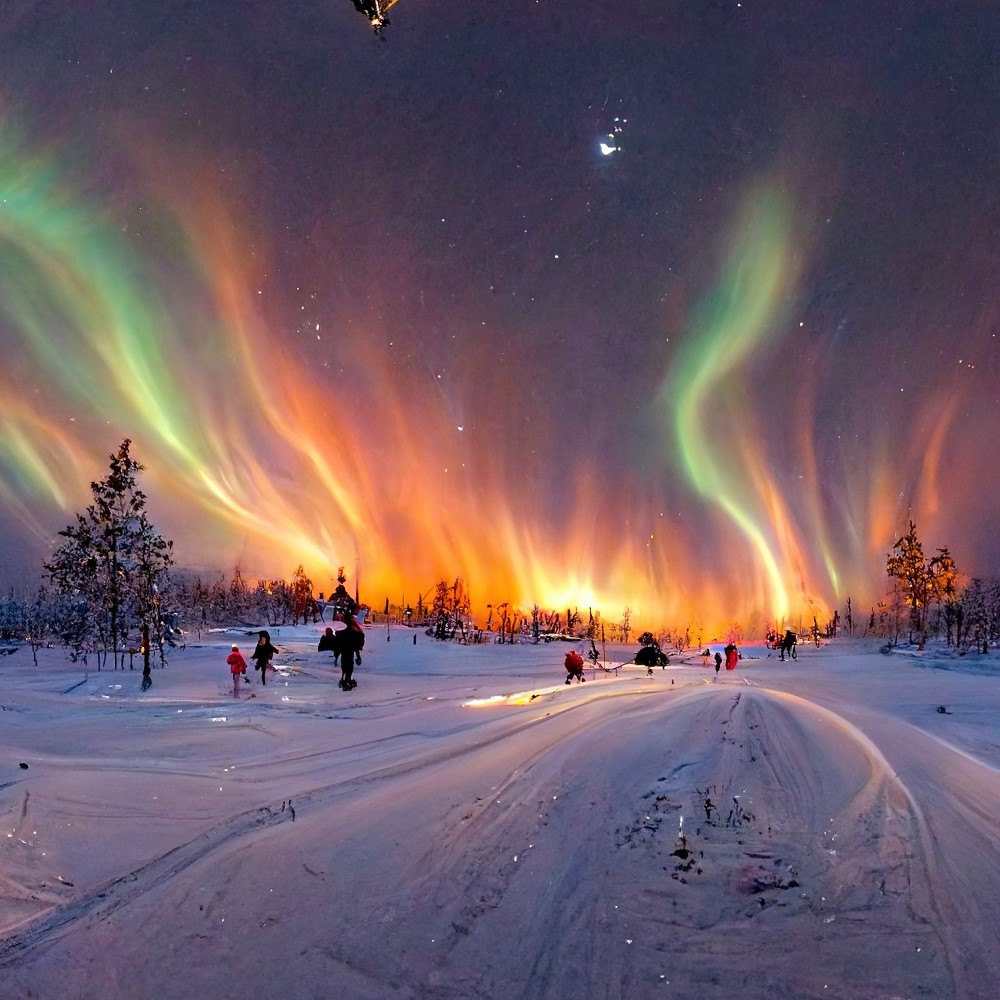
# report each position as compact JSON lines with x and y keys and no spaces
{"x":348,"y":643}
{"x":327,"y":641}
{"x":343,"y":602}
{"x":718,"y":662}
{"x":788,"y":645}
{"x":263,"y":654}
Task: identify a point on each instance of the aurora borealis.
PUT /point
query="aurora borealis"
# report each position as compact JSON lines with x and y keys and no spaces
{"x":386,"y":302}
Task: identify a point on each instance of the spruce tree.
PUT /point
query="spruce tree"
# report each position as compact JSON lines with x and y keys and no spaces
{"x":111,"y":566}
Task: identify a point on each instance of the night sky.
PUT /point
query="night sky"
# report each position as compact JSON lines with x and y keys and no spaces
{"x":685,"y":307}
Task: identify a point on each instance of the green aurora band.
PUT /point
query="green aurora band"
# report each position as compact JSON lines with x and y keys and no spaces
{"x":747,"y":308}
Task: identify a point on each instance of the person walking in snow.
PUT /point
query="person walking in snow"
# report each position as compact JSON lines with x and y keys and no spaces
{"x":732,"y":655}
{"x":788,"y":645}
{"x":238,"y":668}
{"x":574,"y":666}
{"x":263,"y":654}
{"x":327,"y":641}
{"x":718,"y":663}
{"x":348,"y":643}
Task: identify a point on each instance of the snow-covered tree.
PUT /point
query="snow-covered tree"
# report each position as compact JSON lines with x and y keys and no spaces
{"x":272,"y":602}
{"x":12,"y":618}
{"x":241,"y":597}
{"x":303,"y":604}
{"x":978,"y":620}
{"x":111,"y":564}
{"x":41,"y":622}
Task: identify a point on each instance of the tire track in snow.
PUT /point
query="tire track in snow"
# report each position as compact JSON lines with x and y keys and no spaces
{"x":572,"y":893}
{"x":955,"y":800}
{"x":826,"y":817}
{"x":833,"y":812}
{"x":103,"y":900}
{"x":111,"y":896}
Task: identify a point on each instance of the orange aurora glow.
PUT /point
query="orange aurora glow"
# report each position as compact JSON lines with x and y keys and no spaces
{"x":374,"y":460}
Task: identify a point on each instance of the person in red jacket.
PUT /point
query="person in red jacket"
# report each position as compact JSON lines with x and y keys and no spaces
{"x":238,"y":668}
{"x":574,"y":666}
{"x":732,"y":655}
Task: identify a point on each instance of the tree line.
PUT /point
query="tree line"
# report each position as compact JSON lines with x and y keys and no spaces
{"x":929,"y":598}
{"x":109,"y":592}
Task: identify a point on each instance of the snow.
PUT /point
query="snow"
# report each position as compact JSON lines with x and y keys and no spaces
{"x":465,"y":824}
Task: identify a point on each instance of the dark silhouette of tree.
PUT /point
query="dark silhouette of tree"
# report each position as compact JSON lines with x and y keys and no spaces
{"x":923,"y":582}
{"x":451,"y":608}
{"x":625,"y":628}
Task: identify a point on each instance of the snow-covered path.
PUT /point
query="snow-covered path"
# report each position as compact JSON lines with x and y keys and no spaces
{"x":804,"y":830}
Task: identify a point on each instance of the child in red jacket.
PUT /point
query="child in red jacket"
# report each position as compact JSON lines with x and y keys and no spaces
{"x":238,"y":667}
{"x":574,"y":666}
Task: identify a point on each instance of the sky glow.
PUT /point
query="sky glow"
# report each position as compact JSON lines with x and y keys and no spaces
{"x":708,"y":378}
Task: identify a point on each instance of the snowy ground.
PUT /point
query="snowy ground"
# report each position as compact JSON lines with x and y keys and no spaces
{"x":808,"y":829}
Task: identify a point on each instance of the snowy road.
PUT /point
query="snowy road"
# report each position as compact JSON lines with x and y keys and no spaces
{"x":812,"y":830}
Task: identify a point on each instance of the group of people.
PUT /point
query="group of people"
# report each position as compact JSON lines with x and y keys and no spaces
{"x":786,"y":643}
{"x":346,"y":644}
{"x":345,"y":639}
{"x":730,"y":655}
{"x":263,"y":654}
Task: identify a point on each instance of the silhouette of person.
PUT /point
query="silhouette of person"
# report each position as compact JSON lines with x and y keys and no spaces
{"x":263,"y":654}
